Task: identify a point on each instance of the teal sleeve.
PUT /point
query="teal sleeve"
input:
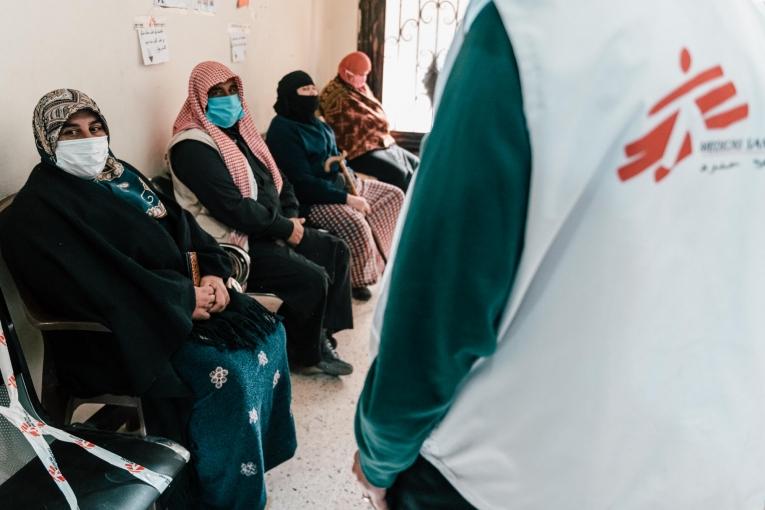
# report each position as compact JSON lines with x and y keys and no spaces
{"x":460,"y":246}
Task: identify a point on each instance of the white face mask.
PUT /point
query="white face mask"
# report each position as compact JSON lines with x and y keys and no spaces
{"x":84,"y":158}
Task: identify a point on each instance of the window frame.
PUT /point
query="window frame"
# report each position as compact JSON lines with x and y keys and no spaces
{"x":371,"y":40}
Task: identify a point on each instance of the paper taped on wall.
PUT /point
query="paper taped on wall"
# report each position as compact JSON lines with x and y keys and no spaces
{"x":239,"y":35}
{"x":207,"y":6}
{"x":153,"y":40}
{"x":179,"y":4}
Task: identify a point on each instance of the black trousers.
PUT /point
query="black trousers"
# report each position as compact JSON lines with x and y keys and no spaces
{"x":423,"y":487}
{"x":393,"y":165}
{"x":314,"y":282}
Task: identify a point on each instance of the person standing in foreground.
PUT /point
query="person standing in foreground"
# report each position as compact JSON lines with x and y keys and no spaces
{"x":605,"y":349}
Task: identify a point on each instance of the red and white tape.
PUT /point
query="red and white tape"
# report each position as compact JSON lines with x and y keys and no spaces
{"x":34,"y":431}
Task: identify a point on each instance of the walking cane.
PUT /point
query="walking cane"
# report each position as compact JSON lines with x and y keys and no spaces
{"x":340,"y":159}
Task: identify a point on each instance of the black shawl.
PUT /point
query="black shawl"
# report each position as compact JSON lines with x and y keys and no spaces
{"x":86,"y":254}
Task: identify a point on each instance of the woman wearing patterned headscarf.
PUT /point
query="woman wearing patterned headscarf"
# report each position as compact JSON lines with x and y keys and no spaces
{"x":91,"y":239}
{"x":301,"y":145}
{"x":361,"y":126}
{"x":225,"y":176}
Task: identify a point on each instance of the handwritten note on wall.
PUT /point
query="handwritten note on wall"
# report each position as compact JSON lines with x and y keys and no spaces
{"x":203,"y":6}
{"x":178,"y":4}
{"x":153,"y":41}
{"x":207,"y":6}
{"x":239,"y":37}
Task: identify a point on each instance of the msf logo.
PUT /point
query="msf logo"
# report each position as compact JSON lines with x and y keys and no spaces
{"x":657,"y":148}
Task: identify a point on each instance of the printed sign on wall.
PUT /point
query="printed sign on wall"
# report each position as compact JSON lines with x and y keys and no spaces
{"x":153,"y":40}
{"x":178,"y":4}
{"x":206,"y":6}
{"x":239,"y":35}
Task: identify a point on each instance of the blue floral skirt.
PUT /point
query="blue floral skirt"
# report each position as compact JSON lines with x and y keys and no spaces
{"x":241,"y":424}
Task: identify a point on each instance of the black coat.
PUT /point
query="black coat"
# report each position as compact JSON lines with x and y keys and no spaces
{"x":202,"y":169}
{"x":87,"y":254}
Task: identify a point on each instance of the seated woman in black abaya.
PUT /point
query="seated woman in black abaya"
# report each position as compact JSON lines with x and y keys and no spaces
{"x":91,"y":239}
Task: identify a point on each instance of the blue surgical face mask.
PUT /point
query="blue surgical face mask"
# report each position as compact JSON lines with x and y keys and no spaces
{"x":224,"y":111}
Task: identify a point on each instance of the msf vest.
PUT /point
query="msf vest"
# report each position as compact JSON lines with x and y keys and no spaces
{"x":630,"y":368}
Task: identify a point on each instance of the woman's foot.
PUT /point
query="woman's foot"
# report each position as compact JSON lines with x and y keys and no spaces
{"x":361,"y":293}
{"x":330,"y":363}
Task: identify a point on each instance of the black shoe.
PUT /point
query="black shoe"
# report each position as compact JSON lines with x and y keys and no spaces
{"x":361,"y":293}
{"x":330,"y":363}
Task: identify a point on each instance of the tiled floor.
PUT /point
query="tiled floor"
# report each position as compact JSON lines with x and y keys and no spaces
{"x":319,"y":476}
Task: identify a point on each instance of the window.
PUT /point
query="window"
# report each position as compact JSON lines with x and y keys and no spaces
{"x":404,"y":38}
{"x":418,"y":34}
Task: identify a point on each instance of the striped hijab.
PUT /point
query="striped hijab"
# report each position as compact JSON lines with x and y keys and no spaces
{"x":203,"y":77}
{"x":49,"y":117}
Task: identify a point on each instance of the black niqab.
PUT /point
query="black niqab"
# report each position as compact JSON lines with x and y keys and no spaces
{"x":292,"y":105}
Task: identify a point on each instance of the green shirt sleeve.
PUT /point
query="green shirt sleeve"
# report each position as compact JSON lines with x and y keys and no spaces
{"x":458,"y":255}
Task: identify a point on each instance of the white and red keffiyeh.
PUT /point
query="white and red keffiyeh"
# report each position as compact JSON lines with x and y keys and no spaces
{"x":203,"y":77}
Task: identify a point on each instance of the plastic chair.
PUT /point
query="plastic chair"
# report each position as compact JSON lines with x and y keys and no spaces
{"x":26,"y":483}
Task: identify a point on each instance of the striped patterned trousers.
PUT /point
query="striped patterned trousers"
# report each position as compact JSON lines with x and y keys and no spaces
{"x":368,"y":236}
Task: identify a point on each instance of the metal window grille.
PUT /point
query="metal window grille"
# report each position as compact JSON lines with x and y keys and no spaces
{"x":418,"y":34}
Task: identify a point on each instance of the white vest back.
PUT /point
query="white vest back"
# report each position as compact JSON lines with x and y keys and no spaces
{"x":630,"y":368}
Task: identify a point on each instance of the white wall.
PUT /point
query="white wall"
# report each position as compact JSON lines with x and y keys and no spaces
{"x":91,"y":45}
{"x":338,"y":28}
